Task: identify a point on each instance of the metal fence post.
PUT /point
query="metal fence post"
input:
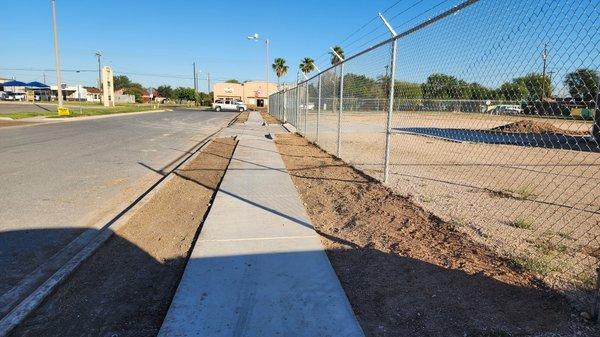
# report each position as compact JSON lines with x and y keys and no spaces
{"x":339,"y":121}
{"x":388,"y":128}
{"x":284,"y":106}
{"x":318,"y":110}
{"x":297,"y":106}
{"x":596,"y":127}
{"x":392,"y":79}
{"x":305,"y":108}
{"x":596,"y":300}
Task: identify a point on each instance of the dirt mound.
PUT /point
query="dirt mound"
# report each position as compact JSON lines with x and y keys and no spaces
{"x":530,"y":126}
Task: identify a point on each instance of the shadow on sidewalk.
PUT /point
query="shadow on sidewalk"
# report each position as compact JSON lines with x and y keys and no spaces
{"x":124,"y":290}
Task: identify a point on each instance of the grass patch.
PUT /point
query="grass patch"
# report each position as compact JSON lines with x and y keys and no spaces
{"x":564,"y":236}
{"x":521,"y":223}
{"x":588,"y":280}
{"x":533,"y":265}
{"x":21,"y":115}
{"x":544,"y":260}
{"x":522,"y":193}
{"x":426,"y":199}
{"x":550,"y":249}
{"x":525,"y":193}
{"x":78,"y":112}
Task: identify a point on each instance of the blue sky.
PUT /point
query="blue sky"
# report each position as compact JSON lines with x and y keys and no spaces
{"x":165,"y":37}
{"x":155,"y":42}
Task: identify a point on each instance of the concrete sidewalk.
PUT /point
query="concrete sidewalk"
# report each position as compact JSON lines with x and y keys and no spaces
{"x":258,"y":267}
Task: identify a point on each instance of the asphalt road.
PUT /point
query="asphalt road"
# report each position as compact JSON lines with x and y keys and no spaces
{"x":59,"y":180}
{"x":8,"y":107}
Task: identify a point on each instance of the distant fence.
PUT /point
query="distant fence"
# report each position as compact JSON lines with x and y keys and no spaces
{"x":487,"y":118}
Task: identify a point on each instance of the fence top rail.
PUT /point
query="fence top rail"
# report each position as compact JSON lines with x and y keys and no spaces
{"x":405,"y":33}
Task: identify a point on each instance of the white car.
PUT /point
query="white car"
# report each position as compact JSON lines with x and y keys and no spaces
{"x":19,"y":97}
{"x":309,"y":106}
{"x":231,"y":105}
{"x":507,"y":110}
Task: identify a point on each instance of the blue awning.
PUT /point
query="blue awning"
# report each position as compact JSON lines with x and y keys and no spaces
{"x":37,"y":85}
{"x":14,"y":83}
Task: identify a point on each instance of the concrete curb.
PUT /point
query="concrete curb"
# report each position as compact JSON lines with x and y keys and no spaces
{"x":289,"y":127}
{"x":27,"y":305}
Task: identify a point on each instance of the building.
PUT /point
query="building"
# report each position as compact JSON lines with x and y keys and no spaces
{"x":2,"y":80}
{"x":253,"y":93}
{"x":121,"y":97}
{"x":93,"y":94}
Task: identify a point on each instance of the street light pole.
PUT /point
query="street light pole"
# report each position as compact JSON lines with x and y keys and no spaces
{"x":255,"y":37}
{"x":56,"y":55}
{"x":267,"y":66}
{"x":98,"y":55}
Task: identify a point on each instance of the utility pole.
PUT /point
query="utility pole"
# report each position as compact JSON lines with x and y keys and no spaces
{"x":98,"y":55}
{"x":545,"y":63}
{"x":56,"y":56}
{"x":195,"y":85}
{"x":44,"y":78}
{"x":208,"y":80}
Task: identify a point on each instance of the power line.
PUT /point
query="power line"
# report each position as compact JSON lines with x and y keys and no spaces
{"x":360,"y":47}
{"x":370,"y":21}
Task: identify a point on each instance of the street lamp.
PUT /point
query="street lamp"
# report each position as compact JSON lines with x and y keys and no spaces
{"x":255,"y":37}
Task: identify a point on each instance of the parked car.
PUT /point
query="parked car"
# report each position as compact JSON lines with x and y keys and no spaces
{"x":15,"y":97}
{"x":507,"y":110}
{"x":231,"y":105}
{"x":309,"y":106}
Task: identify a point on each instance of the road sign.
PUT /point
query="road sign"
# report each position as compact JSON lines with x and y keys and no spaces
{"x":63,"y":112}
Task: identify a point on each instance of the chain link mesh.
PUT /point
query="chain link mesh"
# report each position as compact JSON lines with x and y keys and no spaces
{"x":495,"y":128}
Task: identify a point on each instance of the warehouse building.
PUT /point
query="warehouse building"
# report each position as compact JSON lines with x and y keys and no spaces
{"x":253,"y":93}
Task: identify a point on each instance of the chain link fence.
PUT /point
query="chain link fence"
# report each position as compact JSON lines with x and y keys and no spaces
{"x":487,"y":117}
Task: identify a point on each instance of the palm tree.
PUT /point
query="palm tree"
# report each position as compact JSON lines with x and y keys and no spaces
{"x":280,"y":68}
{"x":307,"y":65}
{"x":334,"y":58}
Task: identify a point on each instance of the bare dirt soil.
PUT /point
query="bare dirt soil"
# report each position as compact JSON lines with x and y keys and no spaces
{"x":530,"y":126}
{"x":406,"y":272}
{"x":242,"y":117}
{"x":125,"y":288}
{"x":268,"y":118}
{"x":536,"y":205}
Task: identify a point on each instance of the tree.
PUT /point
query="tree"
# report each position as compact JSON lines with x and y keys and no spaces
{"x":513,"y":91}
{"x":165,"y":91}
{"x":182,"y":93}
{"x":583,"y":84}
{"x":361,"y":86}
{"x":442,"y":86}
{"x":538,"y":86}
{"x":280,"y":68}
{"x":479,"y":92}
{"x":233,"y":80}
{"x":136,"y":90}
{"x":334,"y":58}
{"x":204,"y":98}
{"x":407,"y":90}
{"x":121,"y":82}
{"x":307,"y":65}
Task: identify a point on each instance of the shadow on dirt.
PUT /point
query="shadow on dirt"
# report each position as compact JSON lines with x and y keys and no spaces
{"x":123,"y":290}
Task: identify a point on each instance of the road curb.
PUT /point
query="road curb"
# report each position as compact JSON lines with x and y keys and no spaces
{"x":289,"y":127}
{"x":35,"y":298}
